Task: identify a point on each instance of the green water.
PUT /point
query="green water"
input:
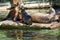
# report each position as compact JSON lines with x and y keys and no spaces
{"x":3,"y":35}
{"x":49,"y":34}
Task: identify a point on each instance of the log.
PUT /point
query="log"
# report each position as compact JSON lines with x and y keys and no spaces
{"x":10,"y":22}
{"x":37,"y":5}
{"x":34,"y":25}
{"x":55,"y":25}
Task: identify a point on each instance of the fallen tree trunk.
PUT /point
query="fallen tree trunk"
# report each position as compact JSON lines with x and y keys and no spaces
{"x":34,"y":25}
{"x":55,"y":25}
{"x":36,"y":5}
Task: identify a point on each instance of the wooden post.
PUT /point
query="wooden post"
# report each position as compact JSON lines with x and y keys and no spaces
{"x":12,"y":2}
{"x":15,"y":2}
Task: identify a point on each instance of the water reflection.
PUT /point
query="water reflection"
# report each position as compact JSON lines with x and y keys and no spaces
{"x":8,"y":35}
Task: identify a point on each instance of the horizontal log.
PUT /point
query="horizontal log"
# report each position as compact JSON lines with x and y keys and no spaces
{"x":27,"y":6}
{"x":34,"y":25}
{"x":37,"y":5}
